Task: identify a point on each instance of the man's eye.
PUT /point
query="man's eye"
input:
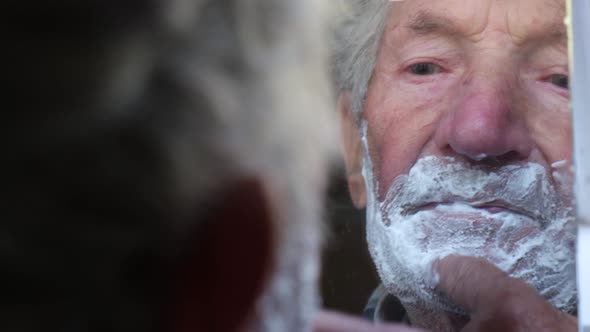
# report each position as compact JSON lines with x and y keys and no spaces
{"x":561,"y":81}
{"x":425,"y":68}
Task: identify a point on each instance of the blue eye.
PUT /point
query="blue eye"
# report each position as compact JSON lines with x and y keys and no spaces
{"x":425,"y":68}
{"x":561,"y":81}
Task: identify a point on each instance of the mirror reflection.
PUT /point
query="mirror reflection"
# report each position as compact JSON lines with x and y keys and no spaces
{"x":457,"y":140}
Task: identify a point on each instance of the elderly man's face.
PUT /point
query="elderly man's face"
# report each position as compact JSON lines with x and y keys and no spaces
{"x":468,"y":79}
{"x":468,"y":143}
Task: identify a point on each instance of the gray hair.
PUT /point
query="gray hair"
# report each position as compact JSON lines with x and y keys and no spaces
{"x":356,"y":43}
{"x":128,"y":117}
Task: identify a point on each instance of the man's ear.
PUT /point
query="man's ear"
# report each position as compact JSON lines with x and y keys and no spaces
{"x":351,"y":146}
{"x":228,"y":264}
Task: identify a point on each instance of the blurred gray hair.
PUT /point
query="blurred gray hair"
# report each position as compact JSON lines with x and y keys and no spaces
{"x":355,"y":46}
{"x":128,"y":116}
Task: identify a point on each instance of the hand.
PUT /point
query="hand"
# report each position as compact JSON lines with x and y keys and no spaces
{"x":496,"y":301}
{"x":334,"y":322}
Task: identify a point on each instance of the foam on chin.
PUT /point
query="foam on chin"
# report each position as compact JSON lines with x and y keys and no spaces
{"x":535,"y":244}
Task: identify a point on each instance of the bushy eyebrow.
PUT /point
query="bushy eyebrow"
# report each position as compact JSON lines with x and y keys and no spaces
{"x":425,"y":22}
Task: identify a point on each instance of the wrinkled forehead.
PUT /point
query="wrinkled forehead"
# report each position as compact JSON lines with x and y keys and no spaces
{"x":522,"y":19}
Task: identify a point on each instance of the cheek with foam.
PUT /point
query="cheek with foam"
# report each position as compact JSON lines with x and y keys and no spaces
{"x":404,"y":245}
{"x":563,"y":174}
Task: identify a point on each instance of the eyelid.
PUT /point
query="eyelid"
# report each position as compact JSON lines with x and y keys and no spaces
{"x":548,"y":76}
{"x":555,"y":70}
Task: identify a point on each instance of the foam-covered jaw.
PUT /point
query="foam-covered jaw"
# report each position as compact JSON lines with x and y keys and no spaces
{"x":514,"y":216}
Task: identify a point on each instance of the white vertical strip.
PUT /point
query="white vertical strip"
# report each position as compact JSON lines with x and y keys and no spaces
{"x":579,"y":15}
{"x":584,"y":278}
{"x":580,"y":92}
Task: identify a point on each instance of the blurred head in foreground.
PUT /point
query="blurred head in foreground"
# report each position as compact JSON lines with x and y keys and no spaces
{"x":165,"y":165}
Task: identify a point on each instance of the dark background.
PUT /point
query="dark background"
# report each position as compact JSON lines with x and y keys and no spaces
{"x":348,"y":274}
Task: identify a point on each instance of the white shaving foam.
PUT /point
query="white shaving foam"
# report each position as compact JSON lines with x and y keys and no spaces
{"x":481,"y":156}
{"x":559,"y":164}
{"x":437,"y":210}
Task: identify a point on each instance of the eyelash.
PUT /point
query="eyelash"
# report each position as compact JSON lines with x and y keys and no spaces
{"x":441,"y":66}
{"x":433,"y":69}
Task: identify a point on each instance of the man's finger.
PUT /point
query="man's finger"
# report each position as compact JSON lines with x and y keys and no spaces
{"x":496,"y":301}
{"x":327,"y":321}
{"x":476,"y":284}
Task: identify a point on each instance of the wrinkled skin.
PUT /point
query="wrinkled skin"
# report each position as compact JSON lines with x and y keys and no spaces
{"x":484,"y":82}
{"x":491,"y":87}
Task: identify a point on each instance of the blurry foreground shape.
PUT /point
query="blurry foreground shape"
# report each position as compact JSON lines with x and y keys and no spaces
{"x":165,"y":165}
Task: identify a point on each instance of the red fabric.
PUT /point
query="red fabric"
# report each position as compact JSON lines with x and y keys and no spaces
{"x":223,"y":273}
